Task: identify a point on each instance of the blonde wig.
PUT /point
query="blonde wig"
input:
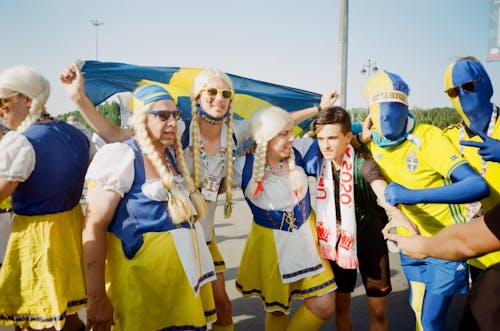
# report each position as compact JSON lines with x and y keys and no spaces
{"x":179,"y":207}
{"x":266,"y":124}
{"x":30,"y":83}
{"x":201,"y":82}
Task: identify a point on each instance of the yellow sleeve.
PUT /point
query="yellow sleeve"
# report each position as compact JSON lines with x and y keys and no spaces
{"x":440,"y":152}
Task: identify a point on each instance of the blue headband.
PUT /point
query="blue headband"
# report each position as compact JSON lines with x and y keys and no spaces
{"x":148,"y":94}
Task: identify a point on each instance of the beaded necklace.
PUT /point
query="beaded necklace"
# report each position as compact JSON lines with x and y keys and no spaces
{"x":276,"y":172}
{"x":45,"y":116}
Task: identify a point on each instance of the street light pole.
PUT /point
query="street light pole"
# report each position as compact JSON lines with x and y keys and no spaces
{"x":343,"y":39}
{"x":371,"y":66}
{"x":96,"y":23}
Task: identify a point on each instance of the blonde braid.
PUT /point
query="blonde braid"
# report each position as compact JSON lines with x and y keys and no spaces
{"x":34,"y":114}
{"x":258,"y":168}
{"x":198,"y":201}
{"x":178,"y":205}
{"x":196,"y":143}
{"x":229,"y":163}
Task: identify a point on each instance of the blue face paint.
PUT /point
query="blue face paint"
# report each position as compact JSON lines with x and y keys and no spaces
{"x":393,"y":117}
{"x":475,"y":105}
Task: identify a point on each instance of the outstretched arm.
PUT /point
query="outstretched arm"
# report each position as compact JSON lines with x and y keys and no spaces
{"x":74,"y":83}
{"x":327,"y":100}
{"x":467,"y":186}
{"x":453,"y":242}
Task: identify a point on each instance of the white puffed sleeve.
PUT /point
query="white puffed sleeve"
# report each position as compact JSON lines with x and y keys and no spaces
{"x":112,"y":168}
{"x":17,"y":157}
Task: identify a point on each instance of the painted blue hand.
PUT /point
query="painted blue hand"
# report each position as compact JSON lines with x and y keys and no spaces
{"x":489,"y":149}
{"x":396,"y":194}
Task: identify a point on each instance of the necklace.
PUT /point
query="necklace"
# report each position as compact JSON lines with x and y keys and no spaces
{"x":210,"y":119}
{"x":45,"y":116}
{"x":277,"y":171}
{"x":221,"y":155}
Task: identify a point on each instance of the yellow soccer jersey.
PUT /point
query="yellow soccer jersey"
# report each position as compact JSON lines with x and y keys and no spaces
{"x":492,"y":173}
{"x":492,"y":177}
{"x":425,"y":161}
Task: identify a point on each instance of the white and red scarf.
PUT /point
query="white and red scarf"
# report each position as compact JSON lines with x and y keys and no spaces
{"x":344,"y":253}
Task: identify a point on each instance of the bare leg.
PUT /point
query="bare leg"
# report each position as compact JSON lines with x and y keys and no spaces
{"x":378,"y":313}
{"x":222,"y":302}
{"x":343,"y":320}
{"x":314,"y":312}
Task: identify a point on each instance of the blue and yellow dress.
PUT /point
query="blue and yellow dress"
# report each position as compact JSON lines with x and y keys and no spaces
{"x":42,"y":279}
{"x":158,"y":274}
{"x":281,"y":259}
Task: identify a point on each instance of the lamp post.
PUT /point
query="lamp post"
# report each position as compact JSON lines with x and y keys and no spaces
{"x":343,"y":43}
{"x":371,"y":66}
{"x":96,"y":23}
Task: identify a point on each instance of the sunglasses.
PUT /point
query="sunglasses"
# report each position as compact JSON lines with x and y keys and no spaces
{"x":164,"y":115}
{"x":212,"y":91}
{"x":4,"y":99}
{"x":467,"y":87}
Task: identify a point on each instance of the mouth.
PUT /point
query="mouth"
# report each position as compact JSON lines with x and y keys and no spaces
{"x":287,"y":149}
{"x":169,"y":133}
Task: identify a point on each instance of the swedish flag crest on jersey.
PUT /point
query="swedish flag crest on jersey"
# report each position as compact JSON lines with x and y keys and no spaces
{"x":411,"y":160}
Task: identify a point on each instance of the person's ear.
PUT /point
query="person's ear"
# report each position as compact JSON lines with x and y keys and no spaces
{"x":28,"y":101}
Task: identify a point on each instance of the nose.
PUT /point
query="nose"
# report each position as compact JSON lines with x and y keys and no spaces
{"x":171,"y":121}
{"x":218,"y":96}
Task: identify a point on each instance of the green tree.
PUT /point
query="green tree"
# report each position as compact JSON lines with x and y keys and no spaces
{"x":110,"y":110}
{"x":440,"y":117}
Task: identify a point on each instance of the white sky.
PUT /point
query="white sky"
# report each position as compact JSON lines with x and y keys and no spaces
{"x":289,"y":42}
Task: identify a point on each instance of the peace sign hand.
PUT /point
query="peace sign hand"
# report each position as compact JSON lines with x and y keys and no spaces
{"x":489,"y":149}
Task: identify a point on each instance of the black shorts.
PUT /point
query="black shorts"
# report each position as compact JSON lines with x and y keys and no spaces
{"x":374,"y":270}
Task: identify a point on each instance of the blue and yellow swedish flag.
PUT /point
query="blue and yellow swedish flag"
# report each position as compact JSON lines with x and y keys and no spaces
{"x":104,"y":79}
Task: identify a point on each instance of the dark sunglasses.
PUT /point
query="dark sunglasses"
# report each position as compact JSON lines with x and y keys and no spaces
{"x":164,"y":115}
{"x":212,"y":91}
{"x":467,"y":87}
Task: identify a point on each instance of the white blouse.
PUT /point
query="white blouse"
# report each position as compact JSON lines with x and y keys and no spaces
{"x":113,"y":169}
{"x":17,"y":157}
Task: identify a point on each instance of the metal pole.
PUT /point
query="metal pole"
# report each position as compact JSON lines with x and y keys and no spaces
{"x":96,"y":23}
{"x":343,"y":33}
